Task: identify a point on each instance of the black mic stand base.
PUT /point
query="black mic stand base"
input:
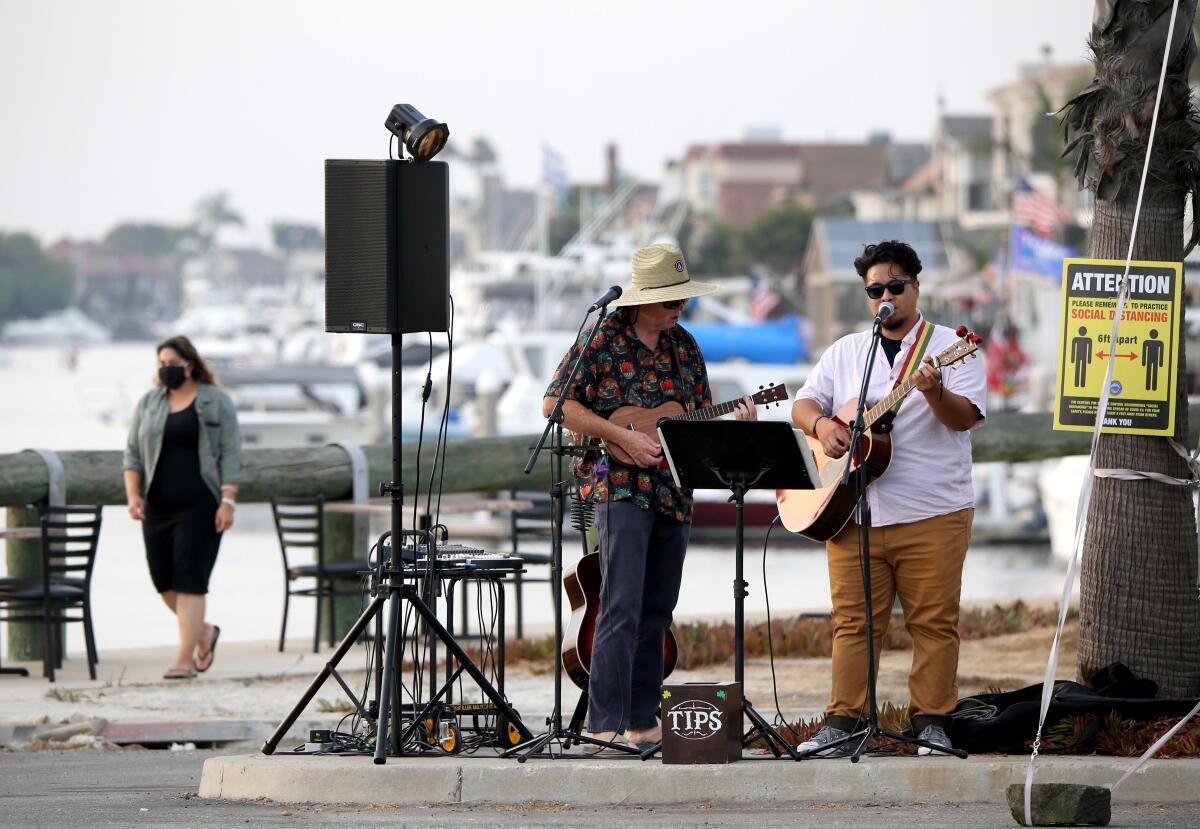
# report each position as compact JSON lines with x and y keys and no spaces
{"x":868,"y":735}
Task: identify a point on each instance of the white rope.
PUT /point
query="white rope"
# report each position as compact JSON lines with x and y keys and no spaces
{"x":1150,"y":752}
{"x":1085,"y":495}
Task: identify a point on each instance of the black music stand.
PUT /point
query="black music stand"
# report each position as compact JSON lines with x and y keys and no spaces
{"x":738,"y":456}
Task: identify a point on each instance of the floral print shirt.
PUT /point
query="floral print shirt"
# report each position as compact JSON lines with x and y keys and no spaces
{"x":620,"y":370}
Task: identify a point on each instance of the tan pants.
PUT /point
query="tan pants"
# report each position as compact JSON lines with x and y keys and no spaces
{"x":922,"y":562}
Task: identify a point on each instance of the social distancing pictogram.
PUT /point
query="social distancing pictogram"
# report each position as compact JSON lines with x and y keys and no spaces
{"x":1143,"y":357}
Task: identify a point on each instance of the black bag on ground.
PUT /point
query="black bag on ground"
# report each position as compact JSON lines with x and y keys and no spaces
{"x":1005,"y":722}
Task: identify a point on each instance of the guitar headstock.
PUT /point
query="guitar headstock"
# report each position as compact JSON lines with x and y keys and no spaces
{"x":770,"y":394}
{"x":966,"y":346}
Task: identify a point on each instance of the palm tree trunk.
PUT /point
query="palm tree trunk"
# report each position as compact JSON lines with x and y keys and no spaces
{"x":1138,"y":584}
{"x":1138,"y":602}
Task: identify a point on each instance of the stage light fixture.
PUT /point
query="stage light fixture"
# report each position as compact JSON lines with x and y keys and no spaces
{"x":424,"y":137}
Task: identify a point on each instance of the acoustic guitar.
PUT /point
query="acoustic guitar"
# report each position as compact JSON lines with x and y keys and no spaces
{"x":646,"y":420}
{"x":582,"y":583}
{"x":821,"y":513}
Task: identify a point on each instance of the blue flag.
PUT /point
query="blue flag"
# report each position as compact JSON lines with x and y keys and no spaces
{"x":554,"y":172}
{"x":1036,"y":254}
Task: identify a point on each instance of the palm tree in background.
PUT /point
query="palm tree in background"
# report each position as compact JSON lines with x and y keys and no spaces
{"x":213,"y":213}
{"x":1138,"y":583}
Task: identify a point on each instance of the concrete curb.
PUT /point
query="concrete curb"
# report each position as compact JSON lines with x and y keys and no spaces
{"x":630,"y":782}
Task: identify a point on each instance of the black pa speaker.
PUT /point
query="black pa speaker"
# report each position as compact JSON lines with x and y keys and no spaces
{"x":387,"y":246}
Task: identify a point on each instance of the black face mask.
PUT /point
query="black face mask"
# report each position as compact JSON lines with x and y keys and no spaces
{"x":172,"y":376}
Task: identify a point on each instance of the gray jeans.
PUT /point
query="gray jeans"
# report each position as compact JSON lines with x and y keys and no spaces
{"x":641,"y":558}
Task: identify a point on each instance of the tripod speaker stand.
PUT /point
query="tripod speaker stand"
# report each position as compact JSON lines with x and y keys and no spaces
{"x":393,"y":587}
{"x":738,"y":456}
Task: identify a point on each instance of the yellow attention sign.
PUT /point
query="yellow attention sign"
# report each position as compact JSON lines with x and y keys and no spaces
{"x":1144,"y":357}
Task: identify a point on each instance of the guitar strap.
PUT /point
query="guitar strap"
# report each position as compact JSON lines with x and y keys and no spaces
{"x":687,"y":392}
{"x":913,"y":361}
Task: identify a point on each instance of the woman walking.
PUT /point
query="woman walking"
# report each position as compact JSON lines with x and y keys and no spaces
{"x":183,"y":460}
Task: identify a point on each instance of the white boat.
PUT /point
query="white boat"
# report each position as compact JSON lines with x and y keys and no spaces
{"x":61,"y":328}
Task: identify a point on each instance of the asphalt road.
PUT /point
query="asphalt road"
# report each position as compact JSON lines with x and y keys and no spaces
{"x":157,"y":788}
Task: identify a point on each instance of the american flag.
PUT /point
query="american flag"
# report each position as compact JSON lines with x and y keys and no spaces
{"x":1033,"y":209}
{"x":762,"y":300}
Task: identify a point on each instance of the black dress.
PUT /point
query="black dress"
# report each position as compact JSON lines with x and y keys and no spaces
{"x":180,"y":524}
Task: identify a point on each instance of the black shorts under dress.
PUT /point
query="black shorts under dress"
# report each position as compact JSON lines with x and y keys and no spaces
{"x":180,"y":524}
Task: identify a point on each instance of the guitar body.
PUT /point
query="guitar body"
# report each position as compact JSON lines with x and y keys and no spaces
{"x":582,"y":586}
{"x":640,"y":420}
{"x":820,"y":514}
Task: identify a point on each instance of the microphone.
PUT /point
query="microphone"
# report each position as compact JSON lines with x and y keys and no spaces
{"x":886,"y":309}
{"x":608,"y":296}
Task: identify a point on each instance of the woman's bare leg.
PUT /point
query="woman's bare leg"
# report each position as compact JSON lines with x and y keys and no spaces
{"x":189,"y":607}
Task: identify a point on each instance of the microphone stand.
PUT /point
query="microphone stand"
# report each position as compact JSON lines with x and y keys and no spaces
{"x":555,"y":732}
{"x":858,"y":429}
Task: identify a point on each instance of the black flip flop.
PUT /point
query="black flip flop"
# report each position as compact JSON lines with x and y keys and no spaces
{"x":212,"y":650}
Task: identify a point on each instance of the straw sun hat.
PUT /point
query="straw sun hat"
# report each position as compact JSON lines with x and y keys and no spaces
{"x":661,"y":275}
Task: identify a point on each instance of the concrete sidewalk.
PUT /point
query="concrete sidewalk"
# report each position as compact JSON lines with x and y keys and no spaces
{"x":630,"y":782}
{"x":250,"y":688}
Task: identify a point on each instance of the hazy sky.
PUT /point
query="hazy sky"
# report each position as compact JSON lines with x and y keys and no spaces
{"x":126,"y":110}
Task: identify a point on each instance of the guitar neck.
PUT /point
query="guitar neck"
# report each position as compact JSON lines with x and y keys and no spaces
{"x":893,"y":397}
{"x":709,"y":412}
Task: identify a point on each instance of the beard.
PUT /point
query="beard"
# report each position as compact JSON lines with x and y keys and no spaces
{"x":896,"y":320}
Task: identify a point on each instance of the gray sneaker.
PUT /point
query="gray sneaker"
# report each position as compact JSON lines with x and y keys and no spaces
{"x":936,"y":735}
{"x":824,"y":737}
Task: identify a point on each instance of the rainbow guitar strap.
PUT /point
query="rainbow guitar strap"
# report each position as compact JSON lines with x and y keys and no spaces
{"x":913,"y":361}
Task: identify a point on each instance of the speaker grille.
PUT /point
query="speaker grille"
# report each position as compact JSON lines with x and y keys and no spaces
{"x":360,"y":251}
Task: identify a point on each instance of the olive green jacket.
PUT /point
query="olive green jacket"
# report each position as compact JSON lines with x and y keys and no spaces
{"x":220,"y":440}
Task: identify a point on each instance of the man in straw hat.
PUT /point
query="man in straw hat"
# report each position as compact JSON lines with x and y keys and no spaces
{"x":640,"y":356}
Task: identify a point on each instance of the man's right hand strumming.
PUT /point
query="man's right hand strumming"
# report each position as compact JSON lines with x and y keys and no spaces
{"x":834,"y":437}
{"x":645,"y":450}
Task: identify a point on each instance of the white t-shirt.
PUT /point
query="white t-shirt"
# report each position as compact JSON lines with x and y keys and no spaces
{"x":930,"y":472}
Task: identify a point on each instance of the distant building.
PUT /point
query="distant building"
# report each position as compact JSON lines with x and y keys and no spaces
{"x":249,"y":267}
{"x":1027,"y":136}
{"x":963,"y":146}
{"x":954,"y":183}
{"x":507,"y":218}
{"x":833,"y":292}
{"x":120,"y":290}
{"x":735,"y":183}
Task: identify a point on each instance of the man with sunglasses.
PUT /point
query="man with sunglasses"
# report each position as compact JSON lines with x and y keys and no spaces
{"x":921,"y":509}
{"x":642,"y":357}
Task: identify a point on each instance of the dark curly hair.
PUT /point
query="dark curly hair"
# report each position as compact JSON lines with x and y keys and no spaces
{"x":892,"y":252}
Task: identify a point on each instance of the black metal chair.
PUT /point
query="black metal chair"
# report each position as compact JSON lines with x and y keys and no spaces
{"x":528,"y":523}
{"x":300,"y":525}
{"x":70,"y":536}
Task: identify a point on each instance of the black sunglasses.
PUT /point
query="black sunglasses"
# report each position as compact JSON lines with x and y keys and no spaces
{"x":672,"y":304}
{"x":895,"y":287}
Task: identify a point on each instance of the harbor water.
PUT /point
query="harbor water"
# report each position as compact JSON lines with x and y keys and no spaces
{"x":53,"y":405}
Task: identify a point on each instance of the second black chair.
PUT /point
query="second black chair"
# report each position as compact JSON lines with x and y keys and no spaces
{"x":300,"y":524}
{"x":70,"y":536}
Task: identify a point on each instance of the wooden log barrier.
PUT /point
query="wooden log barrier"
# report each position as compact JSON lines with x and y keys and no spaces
{"x":94,"y":477}
{"x":472,"y":465}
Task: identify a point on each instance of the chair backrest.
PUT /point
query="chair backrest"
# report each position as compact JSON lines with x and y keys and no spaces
{"x":69,"y":539}
{"x":535,"y":521}
{"x":300,"y":524}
